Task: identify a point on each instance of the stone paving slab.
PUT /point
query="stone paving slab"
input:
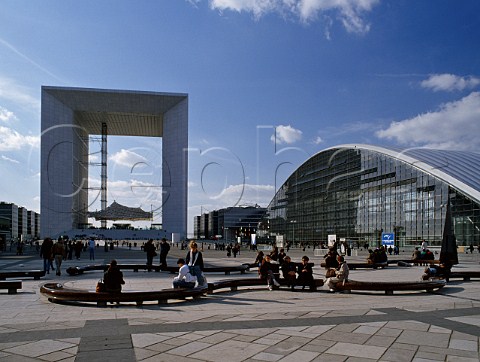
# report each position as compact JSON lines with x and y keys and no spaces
{"x":252,"y":324}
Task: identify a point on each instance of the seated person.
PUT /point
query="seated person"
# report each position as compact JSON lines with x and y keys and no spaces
{"x":340,"y":275}
{"x":113,"y":278}
{"x":416,"y":255}
{"x":437,"y":271}
{"x":382,"y":255}
{"x":289,"y":271}
{"x":428,"y":255}
{"x":372,"y":257}
{"x":274,"y":253}
{"x":265,"y":272}
{"x":259,"y":259}
{"x":305,"y":273}
{"x":184,"y":279}
{"x":331,"y":259}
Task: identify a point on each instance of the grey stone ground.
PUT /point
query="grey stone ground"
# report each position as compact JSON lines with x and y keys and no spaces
{"x":252,"y":324}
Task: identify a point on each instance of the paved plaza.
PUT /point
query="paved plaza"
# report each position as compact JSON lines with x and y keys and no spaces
{"x":252,"y":324}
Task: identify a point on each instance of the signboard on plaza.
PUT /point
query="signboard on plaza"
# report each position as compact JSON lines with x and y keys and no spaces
{"x":332,"y":239}
{"x":388,"y":239}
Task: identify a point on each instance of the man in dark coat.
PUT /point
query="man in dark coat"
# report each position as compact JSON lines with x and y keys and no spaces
{"x":164,"y":249}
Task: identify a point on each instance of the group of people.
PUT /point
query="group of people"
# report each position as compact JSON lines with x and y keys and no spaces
{"x":151,"y":251}
{"x":190,"y":272}
{"x":50,"y":252}
{"x":294,"y":274}
{"x":424,"y":254}
{"x":377,"y":256}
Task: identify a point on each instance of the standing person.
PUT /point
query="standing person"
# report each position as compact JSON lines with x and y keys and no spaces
{"x":46,"y":254}
{"x":70,"y":250}
{"x":281,"y":256}
{"x":265,"y":272}
{"x":184,"y":279}
{"x":235,"y":250}
{"x":164,"y":249}
{"x":424,"y":245}
{"x":78,"y":249}
{"x":58,"y":251}
{"x":340,"y":275}
{"x":194,"y":260}
{"x":91,"y":248}
{"x":305,"y":273}
{"x":149,"y":248}
{"x":113,"y":278}
{"x":229,"y":250}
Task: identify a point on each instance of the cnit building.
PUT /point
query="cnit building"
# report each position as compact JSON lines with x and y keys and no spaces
{"x":358,"y":192}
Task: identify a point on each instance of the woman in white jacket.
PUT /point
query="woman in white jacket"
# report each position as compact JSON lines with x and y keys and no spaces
{"x":184,"y":279}
{"x":341,"y":274}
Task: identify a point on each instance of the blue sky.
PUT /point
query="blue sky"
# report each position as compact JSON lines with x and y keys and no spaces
{"x":314,"y":73}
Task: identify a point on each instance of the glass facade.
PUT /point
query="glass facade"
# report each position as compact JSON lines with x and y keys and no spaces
{"x":359,"y":193}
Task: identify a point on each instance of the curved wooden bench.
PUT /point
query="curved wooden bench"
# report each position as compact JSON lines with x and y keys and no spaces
{"x":423,"y":262}
{"x":465,"y":275}
{"x":11,"y":285}
{"x":214,"y":269}
{"x":233,"y":284}
{"x":275,"y":266}
{"x":360,"y":265}
{"x":56,"y":292}
{"x":77,"y":270}
{"x":390,"y":287}
{"x":36,"y":274}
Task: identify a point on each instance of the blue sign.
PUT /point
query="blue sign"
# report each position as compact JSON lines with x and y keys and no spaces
{"x":388,"y":239}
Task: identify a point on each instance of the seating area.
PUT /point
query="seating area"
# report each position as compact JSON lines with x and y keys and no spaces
{"x":35,"y":274}
{"x":390,"y":287}
{"x":11,"y":285}
{"x":56,"y":292}
{"x":233,"y":284}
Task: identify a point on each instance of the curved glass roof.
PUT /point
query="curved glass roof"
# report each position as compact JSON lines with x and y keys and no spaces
{"x":461,"y":169}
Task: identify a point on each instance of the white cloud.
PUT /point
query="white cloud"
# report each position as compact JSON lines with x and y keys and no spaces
{"x":127,"y":158}
{"x":455,"y":125}
{"x":11,"y":91}
{"x":349,"y":12}
{"x":317,"y":140}
{"x":9,"y":159}
{"x":286,"y":134}
{"x":11,"y":140}
{"x":244,"y":194}
{"x":6,"y":115}
{"x":450,"y":82}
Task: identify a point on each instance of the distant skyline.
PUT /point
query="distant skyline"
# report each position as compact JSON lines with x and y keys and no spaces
{"x":270,"y":83}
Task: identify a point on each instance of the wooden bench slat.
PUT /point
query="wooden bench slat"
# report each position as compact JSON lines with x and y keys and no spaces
{"x":465,"y":275}
{"x":233,"y":284}
{"x":390,"y":287}
{"x":172,"y":269}
{"x":36,"y":274}
{"x":58,"y":292}
{"x":11,"y":285}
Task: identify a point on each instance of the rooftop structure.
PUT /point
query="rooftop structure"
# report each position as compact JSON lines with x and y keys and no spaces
{"x":359,"y":193}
